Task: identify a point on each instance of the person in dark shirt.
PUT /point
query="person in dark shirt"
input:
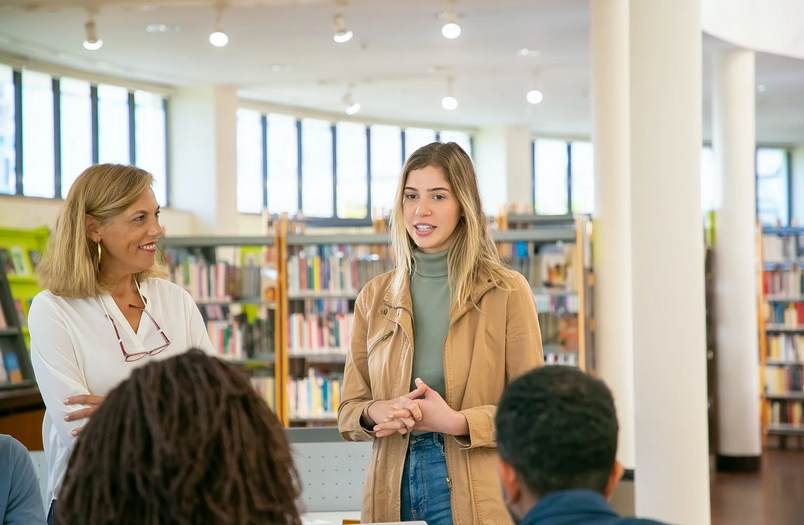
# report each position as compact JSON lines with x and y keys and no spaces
{"x":557,"y":440}
{"x":20,"y":498}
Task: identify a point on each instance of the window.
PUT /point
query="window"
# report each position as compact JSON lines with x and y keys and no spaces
{"x":772,"y":186}
{"x":150,"y":141}
{"x":76,"y":131}
{"x":415,"y":138}
{"x":709,"y":183}
{"x":316,"y":150}
{"x":38,"y":155}
{"x":8,"y":153}
{"x":113,"y":131}
{"x":249,"y":161}
{"x":386,"y":166}
{"x":458,"y":137}
{"x":583,"y":177}
{"x":551,"y":162}
{"x":283,"y":163}
{"x":352,"y":168}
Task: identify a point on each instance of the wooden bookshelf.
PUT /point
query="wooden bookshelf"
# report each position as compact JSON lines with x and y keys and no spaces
{"x":780,"y":254}
{"x":296,"y":362}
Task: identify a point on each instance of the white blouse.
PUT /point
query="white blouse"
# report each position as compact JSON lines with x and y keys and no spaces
{"x":74,"y":351}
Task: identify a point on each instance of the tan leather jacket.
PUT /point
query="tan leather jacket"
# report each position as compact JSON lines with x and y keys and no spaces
{"x":486,"y":347}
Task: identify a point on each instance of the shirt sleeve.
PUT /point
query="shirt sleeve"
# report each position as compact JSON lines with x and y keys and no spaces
{"x":25,"y":505}
{"x":356,"y":381}
{"x":56,"y":366}
{"x":523,"y":352}
{"x":199,"y":335}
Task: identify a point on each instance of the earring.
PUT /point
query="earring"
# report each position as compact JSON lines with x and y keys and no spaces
{"x":99,"y":253}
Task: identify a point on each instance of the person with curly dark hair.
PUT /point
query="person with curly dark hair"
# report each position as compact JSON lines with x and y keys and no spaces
{"x":185,"y":441}
{"x":557,"y":440}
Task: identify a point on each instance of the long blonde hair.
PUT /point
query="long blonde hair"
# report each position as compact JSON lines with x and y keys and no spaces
{"x":70,"y":265}
{"x":473,"y":250}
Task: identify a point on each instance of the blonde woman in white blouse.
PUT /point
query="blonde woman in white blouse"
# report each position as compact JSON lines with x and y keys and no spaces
{"x":105,"y":309}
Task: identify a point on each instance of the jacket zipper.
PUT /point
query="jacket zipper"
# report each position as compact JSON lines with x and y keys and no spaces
{"x":383,"y":338}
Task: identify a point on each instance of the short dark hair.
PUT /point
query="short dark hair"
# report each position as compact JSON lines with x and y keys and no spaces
{"x":186,"y":441}
{"x":557,"y":428}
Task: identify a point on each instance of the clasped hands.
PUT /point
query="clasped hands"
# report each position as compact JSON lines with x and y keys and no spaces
{"x":422,"y":409}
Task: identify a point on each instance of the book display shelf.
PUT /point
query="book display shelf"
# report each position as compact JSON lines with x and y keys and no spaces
{"x":781,"y":335}
{"x":281,"y":306}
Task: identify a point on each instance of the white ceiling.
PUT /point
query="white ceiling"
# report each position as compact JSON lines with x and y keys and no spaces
{"x":398,"y":61}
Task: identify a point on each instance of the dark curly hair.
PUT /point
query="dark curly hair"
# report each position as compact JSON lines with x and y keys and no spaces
{"x":557,"y":427}
{"x":184,"y":441}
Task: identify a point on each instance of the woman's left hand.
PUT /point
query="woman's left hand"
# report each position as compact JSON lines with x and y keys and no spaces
{"x":437,"y":416}
{"x":93,"y":402}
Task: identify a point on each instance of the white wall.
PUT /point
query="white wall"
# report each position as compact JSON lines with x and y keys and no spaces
{"x":31,"y":212}
{"x":502,"y":156}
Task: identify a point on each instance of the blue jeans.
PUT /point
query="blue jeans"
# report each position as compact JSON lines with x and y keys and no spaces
{"x":425,"y":481}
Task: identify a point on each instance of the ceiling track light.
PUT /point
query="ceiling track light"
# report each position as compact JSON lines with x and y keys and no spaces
{"x":449,"y":102}
{"x":350,"y":107}
{"x":451,"y":29}
{"x":342,"y":33}
{"x":534,"y":96}
{"x":92,"y":42}
{"x":218,"y":38}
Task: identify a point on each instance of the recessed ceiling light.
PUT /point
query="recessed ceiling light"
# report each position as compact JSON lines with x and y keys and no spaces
{"x":761,"y":88}
{"x":525,"y":52}
{"x":279,"y":68}
{"x":162,"y":28}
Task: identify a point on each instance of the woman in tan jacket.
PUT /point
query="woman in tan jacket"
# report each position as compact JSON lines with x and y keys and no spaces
{"x":474,"y":327}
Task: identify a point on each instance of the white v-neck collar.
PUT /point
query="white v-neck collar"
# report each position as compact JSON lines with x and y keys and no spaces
{"x":139,"y":335}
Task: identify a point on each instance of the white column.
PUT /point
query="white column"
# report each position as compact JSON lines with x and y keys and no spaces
{"x":672,"y":467}
{"x":733,"y":145}
{"x":203,"y":157}
{"x":504,"y":167}
{"x":612,"y":222}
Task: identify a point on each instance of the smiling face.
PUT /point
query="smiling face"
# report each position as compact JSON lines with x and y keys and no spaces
{"x":431,"y":210}
{"x":128,"y":240}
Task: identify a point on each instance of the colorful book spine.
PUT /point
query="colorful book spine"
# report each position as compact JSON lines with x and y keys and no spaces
{"x":315,"y":396}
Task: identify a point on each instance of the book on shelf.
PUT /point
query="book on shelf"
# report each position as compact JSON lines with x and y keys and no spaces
{"x":266,"y":388}
{"x":235,"y":336}
{"x":12,"y":367}
{"x":3,"y":322}
{"x":334,"y":268}
{"x":325,"y":327}
{"x":783,"y":282}
{"x":788,"y":348}
{"x":781,"y":381}
{"x":22,"y":317}
{"x":315,"y":396}
{"x":783,"y":248}
{"x":787,"y":412}
{"x":222,"y":280}
{"x":6,"y":262}
{"x":549,"y":268}
{"x":786,"y":315}
{"x":561,"y":358}
{"x":18,"y":260}
{"x":3,"y":373}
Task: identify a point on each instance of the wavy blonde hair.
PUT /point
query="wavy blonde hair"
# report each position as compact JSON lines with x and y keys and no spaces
{"x":70,"y":266}
{"x":473,"y":251}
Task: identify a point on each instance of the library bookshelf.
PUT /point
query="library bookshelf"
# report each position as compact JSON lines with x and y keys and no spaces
{"x":304,"y":286}
{"x":781,"y":334}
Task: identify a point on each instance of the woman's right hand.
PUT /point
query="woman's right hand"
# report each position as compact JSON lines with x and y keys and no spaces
{"x":404,"y":419}
{"x":92,"y":402}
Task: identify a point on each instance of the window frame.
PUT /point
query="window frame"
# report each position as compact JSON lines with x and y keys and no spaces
{"x":58,"y":124}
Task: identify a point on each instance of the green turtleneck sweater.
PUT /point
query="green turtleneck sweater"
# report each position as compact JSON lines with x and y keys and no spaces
{"x":429,"y":291}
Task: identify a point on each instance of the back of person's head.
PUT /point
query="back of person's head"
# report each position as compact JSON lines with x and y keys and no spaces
{"x":556,"y":431}
{"x":187,"y":441}
{"x":70,"y":263}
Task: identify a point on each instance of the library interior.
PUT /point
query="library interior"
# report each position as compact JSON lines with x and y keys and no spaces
{"x":640,"y":164}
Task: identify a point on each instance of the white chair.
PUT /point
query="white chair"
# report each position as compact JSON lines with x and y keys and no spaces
{"x":40,"y":466}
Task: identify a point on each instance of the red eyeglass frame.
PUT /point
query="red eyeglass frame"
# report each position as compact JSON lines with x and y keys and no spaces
{"x":139,"y":355}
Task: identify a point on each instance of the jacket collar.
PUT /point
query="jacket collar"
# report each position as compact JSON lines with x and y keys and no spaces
{"x":584,"y":504}
{"x":483,"y":283}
